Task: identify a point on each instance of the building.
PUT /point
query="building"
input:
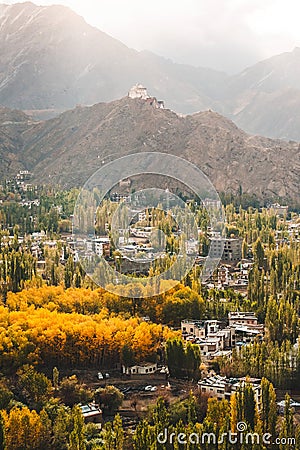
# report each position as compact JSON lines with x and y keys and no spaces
{"x":212,"y":203}
{"x":138,"y":91}
{"x":118,"y":198}
{"x":278,"y":209}
{"x":100,"y":246}
{"x":213,"y":338}
{"x":237,"y":383}
{"x":23,"y":175}
{"x":242,"y":317}
{"x":224,"y":388}
{"x":142,"y":369}
{"x":232,"y":249}
{"x":246,"y":327}
{"x":91,"y":413}
{"x":216,"y":339}
{"x":195,"y":328}
{"x":209,"y":346}
{"x":224,"y":276}
{"x":293,"y":404}
{"x":125,"y":183}
{"x":215,"y":386}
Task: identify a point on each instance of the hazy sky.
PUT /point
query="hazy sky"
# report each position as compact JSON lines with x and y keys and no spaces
{"x":222,"y":34}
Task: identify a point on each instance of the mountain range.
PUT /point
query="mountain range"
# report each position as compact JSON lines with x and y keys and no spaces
{"x":51,"y":60}
{"x":67,"y":149}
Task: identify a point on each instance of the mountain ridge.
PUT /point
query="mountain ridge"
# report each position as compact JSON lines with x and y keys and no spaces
{"x":52,"y":60}
{"x":68,"y":149}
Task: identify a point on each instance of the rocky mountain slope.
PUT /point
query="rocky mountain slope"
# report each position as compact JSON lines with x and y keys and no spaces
{"x":67,"y":149}
{"x":265,"y":98}
{"x":51,"y":60}
{"x":12,"y":126}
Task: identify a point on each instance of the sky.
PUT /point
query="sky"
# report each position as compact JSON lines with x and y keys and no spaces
{"x":227,"y":35}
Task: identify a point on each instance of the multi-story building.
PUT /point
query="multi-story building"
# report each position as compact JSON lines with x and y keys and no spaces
{"x":232,"y":249}
{"x":194,"y":328}
{"x":224,"y":388}
{"x":215,"y":338}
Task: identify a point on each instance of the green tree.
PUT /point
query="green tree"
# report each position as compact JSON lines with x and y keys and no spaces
{"x":55,"y":376}
{"x":2,"y":433}
{"x":258,"y":253}
{"x":287,"y":426}
{"x":76,"y":439}
{"x":269,"y":407}
{"x":34,"y":386}
{"x":143,"y":436}
{"x":109,"y":398}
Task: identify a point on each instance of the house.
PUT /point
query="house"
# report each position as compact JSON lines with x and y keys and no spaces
{"x":223,"y":388}
{"x":23,"y":175}
{"x":193,"y":327}
{"x":224,"y":276}
{"x":213,"y":338}
{"x":278,"y":209}
{"x":125,"y":183}
{"x":212,"y":203}
{"x":293,"y":404}
{"x":236,"y":384}
{"x":245,"y":325}
{"x":242,"y":318}
{"x":246,"y":334}
{"x":91,"y":413}
{"x":209,"y":346}
{"x":232,"y":250}
{"x":142,"y":369}
{"x":119,"y":198}
{"x":102,"y":246}
{"x":215,"y":386}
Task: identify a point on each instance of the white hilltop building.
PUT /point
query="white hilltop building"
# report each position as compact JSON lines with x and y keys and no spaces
{"x":140,"y":92}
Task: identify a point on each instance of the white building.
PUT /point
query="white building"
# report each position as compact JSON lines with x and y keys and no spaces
{"x":142,"y":369}
{"x":224,"y":388}
{"x":242,"y":318}
{"x":138,"y":91}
